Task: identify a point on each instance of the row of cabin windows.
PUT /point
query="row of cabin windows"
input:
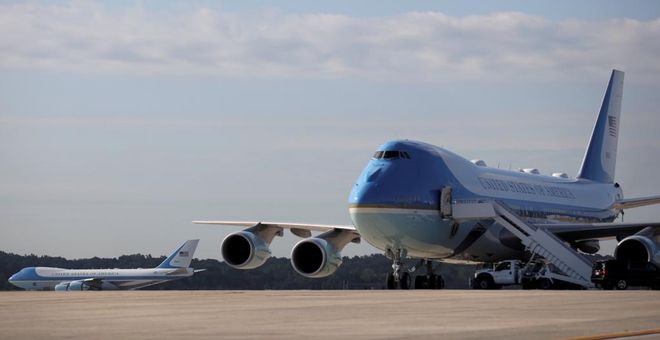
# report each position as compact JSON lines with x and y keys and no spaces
{"x":391,"y":155}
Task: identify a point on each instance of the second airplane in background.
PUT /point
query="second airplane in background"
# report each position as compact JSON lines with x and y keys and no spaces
{"x":175,"y":266}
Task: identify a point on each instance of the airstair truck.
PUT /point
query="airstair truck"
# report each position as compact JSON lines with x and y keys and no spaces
{"x":532,"y":275}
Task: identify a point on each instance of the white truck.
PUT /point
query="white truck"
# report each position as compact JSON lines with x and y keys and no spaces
{"x":501,"y":274}
{"x":532,"y":275}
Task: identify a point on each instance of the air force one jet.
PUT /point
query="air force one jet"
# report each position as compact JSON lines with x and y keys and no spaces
{"x":416,"y":200}
{"x":175,"y":266}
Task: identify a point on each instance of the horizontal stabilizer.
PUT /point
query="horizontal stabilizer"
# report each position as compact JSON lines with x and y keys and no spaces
{"x":636,"y":202}
{"x":582,"y":231}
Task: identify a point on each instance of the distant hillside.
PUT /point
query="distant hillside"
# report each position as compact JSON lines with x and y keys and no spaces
{"x":359,"y":272}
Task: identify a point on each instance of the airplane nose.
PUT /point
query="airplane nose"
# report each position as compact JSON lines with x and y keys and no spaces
{"x":365,"y":193}
{"x":369,"y":187}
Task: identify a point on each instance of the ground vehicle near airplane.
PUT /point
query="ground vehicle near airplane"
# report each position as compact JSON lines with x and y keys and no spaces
{"x":538,"y":274}
{"x":611,"y":274}
{"x":175,"y":266}
{"x":503,"y":273}
{"x":543,"y":275}
{"x":416,"y":200}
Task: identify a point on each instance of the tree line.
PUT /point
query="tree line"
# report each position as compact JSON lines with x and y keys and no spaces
{"x":358,"y":272}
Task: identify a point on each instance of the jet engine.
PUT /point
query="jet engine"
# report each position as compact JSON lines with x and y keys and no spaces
{"x":249,"y":248}
{"x":641,"y":247}
{"x":587,"y":246}
{"x":76,"y":286}
{"x":82,"y":285}
{"x":62,"y":286}
{"x":317,"y":257}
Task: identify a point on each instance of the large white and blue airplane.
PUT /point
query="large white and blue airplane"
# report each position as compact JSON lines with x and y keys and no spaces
{"x":401,"y":204}
{"x":175,"y":266}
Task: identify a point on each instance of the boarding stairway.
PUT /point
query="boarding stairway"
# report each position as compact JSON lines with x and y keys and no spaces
{"x":537,"y":240}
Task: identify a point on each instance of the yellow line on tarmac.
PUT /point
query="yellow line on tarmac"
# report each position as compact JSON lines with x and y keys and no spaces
{"x":617,"y":335}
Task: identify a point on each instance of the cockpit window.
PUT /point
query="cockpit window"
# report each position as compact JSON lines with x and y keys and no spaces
{"x":391,"y":155}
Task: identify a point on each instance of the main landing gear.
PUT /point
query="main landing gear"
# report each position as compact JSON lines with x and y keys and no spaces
{"x":400,"y":277}
{"x":430,"y":280}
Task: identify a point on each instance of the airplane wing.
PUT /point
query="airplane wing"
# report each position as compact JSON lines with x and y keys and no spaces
{"x":636,"y":202}
{"x":298,"y":229}
{"x":583,"y":231}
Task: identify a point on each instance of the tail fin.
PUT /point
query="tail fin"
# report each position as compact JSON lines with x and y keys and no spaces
{"x":600,"y":159}
{"x":181,"y":257}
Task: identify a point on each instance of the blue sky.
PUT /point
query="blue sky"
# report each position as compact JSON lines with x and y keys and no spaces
{"x":121,"y":122}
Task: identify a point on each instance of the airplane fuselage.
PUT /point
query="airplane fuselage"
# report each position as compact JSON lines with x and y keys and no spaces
{"x":395,"y":203}
{"x":46,"y":278}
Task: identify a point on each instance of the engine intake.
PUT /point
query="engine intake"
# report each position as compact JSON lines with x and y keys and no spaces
{"x":244,"y":250}
{"x":315,"y":258}
{"x":587,"y":246}
{"x":641,"y":247}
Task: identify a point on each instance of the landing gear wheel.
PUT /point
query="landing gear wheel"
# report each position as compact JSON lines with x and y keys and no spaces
{"x":390,"y":283}
{"x":483,"y":282}
{"x":404,"y":280}
{"x":421,"y":282}
{"x":438,"y":282}
{"x":621,"y":284}
{"x":544,"y":284}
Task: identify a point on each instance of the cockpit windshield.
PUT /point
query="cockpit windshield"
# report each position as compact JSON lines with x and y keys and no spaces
{"x":391,"y":154}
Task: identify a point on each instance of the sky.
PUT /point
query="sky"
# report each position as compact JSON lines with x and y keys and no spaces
{"x":121,"y":122}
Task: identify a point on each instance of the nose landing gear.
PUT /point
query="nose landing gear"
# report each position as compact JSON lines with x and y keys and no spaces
{"x":398,"y":277}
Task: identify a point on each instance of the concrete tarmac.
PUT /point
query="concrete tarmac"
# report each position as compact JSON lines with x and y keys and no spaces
{"x":446,"y":314}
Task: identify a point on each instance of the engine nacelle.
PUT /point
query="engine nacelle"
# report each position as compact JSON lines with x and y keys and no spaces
{"x":60,"y":287}
{"x":315,"y":258}
{"x":77,"y":286}
{"x":81,"y":285}
{"x":244,"y":250}
{"x":641,"y":247}
{"x":587,"y":246}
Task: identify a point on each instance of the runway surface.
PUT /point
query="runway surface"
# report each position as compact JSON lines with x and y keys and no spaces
{"x":463,"y":314}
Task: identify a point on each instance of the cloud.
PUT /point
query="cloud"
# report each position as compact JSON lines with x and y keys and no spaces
{"x":196,"y":40}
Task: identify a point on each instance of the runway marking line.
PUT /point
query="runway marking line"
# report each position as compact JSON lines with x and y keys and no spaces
{"x":617,"y":335}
